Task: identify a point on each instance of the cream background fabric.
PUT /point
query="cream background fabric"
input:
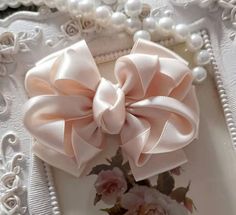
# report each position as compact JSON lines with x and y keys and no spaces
{"x":214,"y":140}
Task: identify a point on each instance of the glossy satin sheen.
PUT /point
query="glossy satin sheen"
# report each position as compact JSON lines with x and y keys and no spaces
{"x":153,"y":107}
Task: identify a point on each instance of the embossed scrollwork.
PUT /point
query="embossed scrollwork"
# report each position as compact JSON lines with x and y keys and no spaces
{"x":11,"y":186}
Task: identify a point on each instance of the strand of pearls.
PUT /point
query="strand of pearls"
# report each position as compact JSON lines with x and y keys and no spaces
{"x":138,"y":19}
{"x":201,"y":56}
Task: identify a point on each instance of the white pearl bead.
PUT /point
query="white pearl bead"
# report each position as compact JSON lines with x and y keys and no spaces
{"x":133,"y":25}
{"x":149,"y":24}
{"x":195,"y":42}
{"x":199,"y":74}
{"x":202,"y":57}
{"x":141,"y":35}
{"x":133,"y":7}
{"x":86,"y":7}
{"x":103,"y":15}
{"x":109,"y":2}
{"x":118,"y":19}
{"x":61,"y":5}
{"x":166,"y":23}
{"x":73,"y":6}
{"x":182,"y":30}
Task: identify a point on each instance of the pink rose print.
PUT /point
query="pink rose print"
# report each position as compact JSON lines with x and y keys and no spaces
{"x":116,"y":186}
{"x":142,"y":200}
{"x":147,"y":209}
{"x":110,"y":184}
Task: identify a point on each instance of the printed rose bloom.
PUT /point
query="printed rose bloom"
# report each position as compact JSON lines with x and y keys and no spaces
{"x":142,"y":200}
{"x":147,"y":209}
{"x":111,"y":184}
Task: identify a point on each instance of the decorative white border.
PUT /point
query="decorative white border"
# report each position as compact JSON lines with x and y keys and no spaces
{"x":112,"y":56}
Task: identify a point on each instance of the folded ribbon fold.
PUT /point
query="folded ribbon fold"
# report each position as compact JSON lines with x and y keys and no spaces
{"x":153,"y":107}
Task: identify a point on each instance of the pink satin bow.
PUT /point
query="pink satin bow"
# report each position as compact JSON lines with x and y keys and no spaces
{"x":153,"y":108}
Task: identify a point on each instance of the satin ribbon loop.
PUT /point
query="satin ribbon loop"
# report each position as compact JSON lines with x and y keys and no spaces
{"x":153,"y":107}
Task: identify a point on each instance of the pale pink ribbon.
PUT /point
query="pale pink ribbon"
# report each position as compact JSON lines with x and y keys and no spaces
{"x":153,"y":108}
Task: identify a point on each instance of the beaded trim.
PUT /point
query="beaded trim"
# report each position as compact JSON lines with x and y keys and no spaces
{"x":221,"y":90}
{"x":52,"y":190}
{"x":104,"y":58}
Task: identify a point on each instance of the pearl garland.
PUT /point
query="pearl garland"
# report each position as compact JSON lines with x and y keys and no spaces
{"x":135,"y":22}
{"x":118,"y":19}
{"x":182,"y":31}
{"x":149,"y":24}
{"x":166,"y":23}
{"x":85,"y":7}
{"x":133,"y":7}
{"x":199,"y":74}
{"x":195,"y":42}
{"x":103,"y":15}
{"x":142,"y":35}
{"x":202,"y":57}
{"x":133,"y":25}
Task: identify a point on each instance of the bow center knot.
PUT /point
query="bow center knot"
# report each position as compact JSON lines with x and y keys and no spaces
{"x":109,"y":107}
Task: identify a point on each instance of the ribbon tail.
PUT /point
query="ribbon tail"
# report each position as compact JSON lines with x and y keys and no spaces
{"x":56,"y":159}
{"x":85,"y":151}
{"x":157,"y":164}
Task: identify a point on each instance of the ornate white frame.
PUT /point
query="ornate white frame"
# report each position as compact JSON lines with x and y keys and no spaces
{"x":43,"y":177}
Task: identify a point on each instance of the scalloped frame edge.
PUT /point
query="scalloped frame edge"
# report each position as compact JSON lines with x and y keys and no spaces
{"x":45,"y":182}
